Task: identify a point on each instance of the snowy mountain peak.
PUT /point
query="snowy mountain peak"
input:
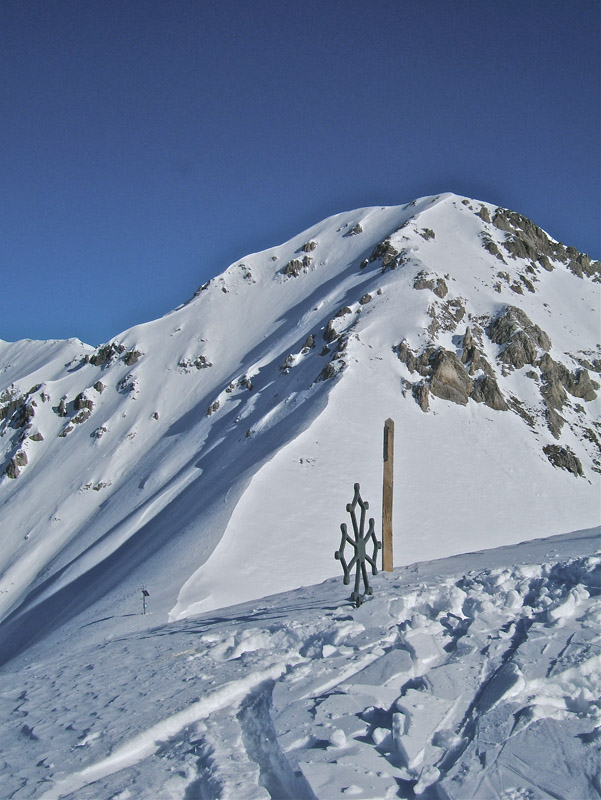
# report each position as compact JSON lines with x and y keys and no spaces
{"x":193,"y":453}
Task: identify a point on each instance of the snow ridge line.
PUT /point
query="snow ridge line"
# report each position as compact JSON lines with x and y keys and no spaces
{"x":146,"y":743}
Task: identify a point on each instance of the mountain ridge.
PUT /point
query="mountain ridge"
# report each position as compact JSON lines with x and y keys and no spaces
{"x":175,"y":435}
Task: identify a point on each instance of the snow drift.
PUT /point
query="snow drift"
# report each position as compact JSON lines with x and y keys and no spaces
{"x":478,"y":676}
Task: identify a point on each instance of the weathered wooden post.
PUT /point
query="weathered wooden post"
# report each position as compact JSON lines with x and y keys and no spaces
{"x":387,"y":553}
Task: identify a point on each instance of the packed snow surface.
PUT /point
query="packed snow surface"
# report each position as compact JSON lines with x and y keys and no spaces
{"x":476,"y":676}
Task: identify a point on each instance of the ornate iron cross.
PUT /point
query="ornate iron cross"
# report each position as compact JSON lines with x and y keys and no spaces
{"x":359,"y":542}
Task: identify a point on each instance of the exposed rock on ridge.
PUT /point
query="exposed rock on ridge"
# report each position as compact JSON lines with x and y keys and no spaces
{"x":450,"y":365}
{"x":469,"y":375}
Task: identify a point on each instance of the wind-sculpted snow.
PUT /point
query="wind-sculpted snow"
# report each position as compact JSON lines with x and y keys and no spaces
{"x":472,"y":678}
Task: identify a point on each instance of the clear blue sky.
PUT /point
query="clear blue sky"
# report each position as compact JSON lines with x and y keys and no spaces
{"x":147,"y":144}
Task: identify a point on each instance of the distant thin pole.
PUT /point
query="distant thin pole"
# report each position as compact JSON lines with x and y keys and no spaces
{"x":387,"y":553}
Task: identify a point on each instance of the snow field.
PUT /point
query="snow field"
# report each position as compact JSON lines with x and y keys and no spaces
{"x":478,"y":676}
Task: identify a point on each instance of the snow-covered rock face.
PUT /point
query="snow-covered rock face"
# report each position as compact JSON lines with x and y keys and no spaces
{"x":209,"y":454}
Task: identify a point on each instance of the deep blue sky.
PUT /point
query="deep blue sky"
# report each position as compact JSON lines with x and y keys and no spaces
{"x":147,"y":144}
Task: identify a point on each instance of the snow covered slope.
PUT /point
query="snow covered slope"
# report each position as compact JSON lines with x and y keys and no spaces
{"x":477,"y":677}
{"x":209,"y":455}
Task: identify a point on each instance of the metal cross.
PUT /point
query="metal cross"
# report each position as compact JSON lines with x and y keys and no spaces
{"x":359,"y":543}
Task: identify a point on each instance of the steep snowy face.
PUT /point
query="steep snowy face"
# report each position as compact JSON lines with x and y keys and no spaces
{"x":209,"y":454}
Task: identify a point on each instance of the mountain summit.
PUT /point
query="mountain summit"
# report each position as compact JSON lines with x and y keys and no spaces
{"x":208,"y":455}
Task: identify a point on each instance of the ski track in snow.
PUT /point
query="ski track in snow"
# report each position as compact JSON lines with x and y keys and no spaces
{"x":477,"y":676}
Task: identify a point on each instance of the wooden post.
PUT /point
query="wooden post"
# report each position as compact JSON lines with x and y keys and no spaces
{"x":387,"y":553}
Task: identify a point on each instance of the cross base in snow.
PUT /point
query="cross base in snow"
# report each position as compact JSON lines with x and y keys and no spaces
{"x":359,"y":542}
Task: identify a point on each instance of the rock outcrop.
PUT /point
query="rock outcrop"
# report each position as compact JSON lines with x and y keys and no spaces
{"x":17,"y":461}
{"x":520,"y":337}
{"x":486,"y":390}
{"x":446,"y":376}
{"x":563,"y":458}
{"x":434,"y":284}
{"x":450,"y":380}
